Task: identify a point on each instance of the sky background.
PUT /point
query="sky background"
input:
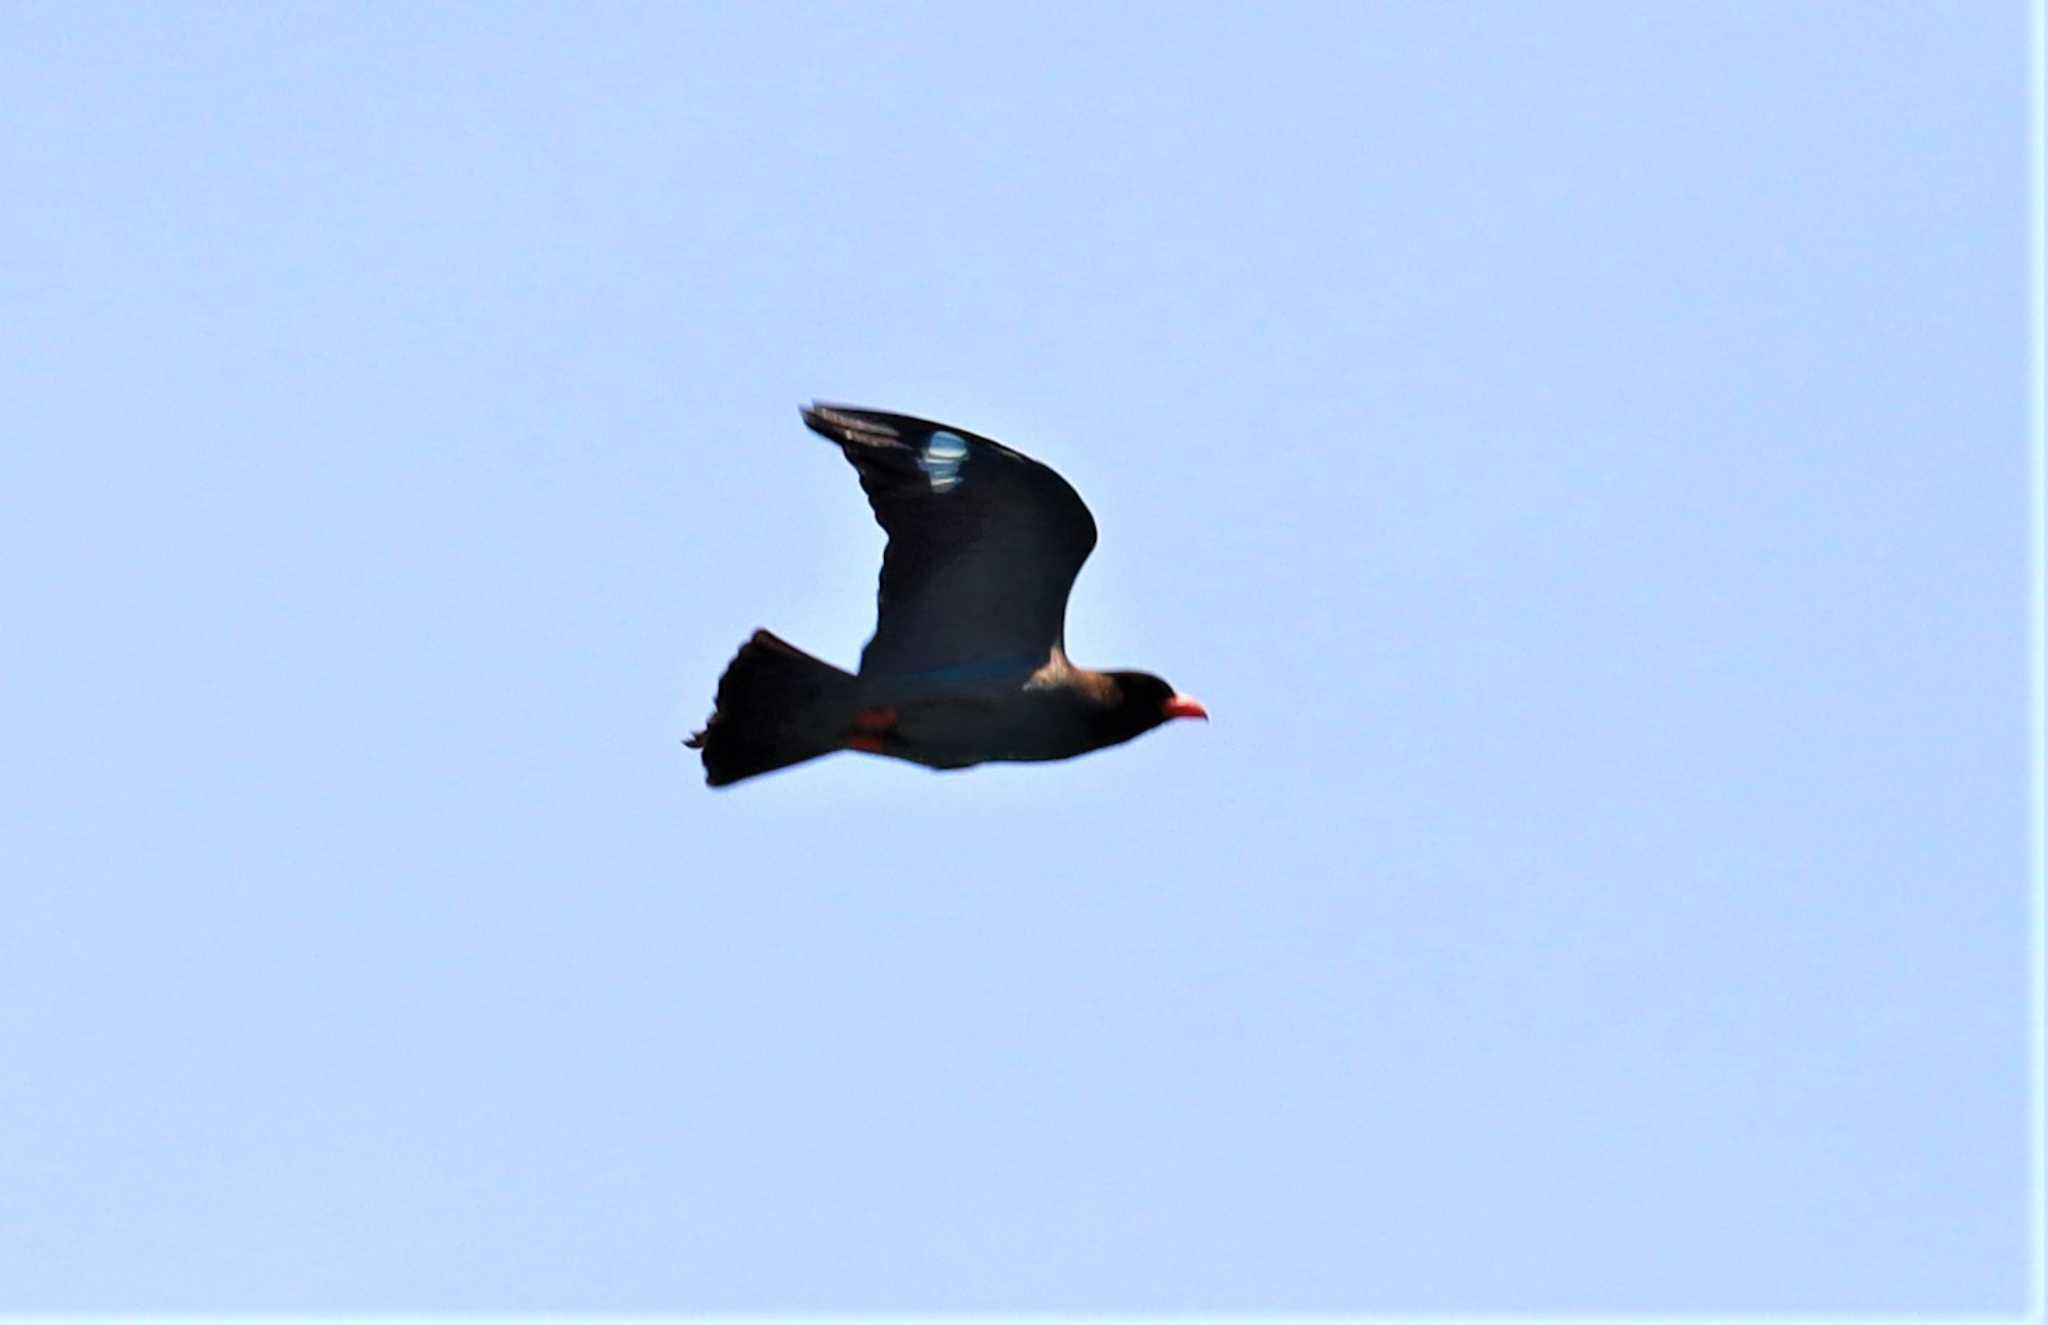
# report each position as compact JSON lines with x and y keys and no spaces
{"x":1575,"y":451}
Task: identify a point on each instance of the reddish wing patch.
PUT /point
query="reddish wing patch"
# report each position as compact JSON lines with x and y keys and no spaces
{"x":871,"y":730}
{"x":874,"y":720}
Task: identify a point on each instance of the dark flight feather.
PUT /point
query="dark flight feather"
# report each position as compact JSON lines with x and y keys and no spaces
{"x":984,"y":545}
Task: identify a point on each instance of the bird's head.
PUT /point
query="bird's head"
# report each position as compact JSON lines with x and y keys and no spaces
{"x":1144,"y":702}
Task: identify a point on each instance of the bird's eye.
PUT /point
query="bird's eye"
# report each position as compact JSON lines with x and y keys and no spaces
{"x":941,"y":459}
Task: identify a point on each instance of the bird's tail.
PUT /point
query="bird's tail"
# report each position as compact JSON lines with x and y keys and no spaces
{"x":777,"y":706}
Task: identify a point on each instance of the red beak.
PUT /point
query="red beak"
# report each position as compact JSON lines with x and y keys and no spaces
{"x":1181,"y":706}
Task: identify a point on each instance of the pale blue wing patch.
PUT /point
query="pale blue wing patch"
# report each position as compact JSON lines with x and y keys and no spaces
{"x":943,"y":455}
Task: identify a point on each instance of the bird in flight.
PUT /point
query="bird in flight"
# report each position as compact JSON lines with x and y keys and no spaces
{"x":968,"y":663}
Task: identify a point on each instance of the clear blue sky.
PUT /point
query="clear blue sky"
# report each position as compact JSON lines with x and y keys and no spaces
{"x":1576,"y":452}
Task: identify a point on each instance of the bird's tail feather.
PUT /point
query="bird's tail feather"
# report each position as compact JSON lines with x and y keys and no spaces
{"x":777,"y":706}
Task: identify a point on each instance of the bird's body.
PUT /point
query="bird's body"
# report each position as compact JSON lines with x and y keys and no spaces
{"x":1053,"y":713}
{"x":968,"y":663}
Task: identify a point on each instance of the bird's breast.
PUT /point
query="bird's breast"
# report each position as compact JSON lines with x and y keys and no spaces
{"x":960,"y":727}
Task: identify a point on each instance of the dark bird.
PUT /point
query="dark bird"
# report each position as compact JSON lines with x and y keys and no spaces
{"x":969,"y":661}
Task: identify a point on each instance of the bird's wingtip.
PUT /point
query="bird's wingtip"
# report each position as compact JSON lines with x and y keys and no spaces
{"x":845,"y":423}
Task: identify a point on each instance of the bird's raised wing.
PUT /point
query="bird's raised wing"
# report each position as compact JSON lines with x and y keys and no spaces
{"x":984,"y":544}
